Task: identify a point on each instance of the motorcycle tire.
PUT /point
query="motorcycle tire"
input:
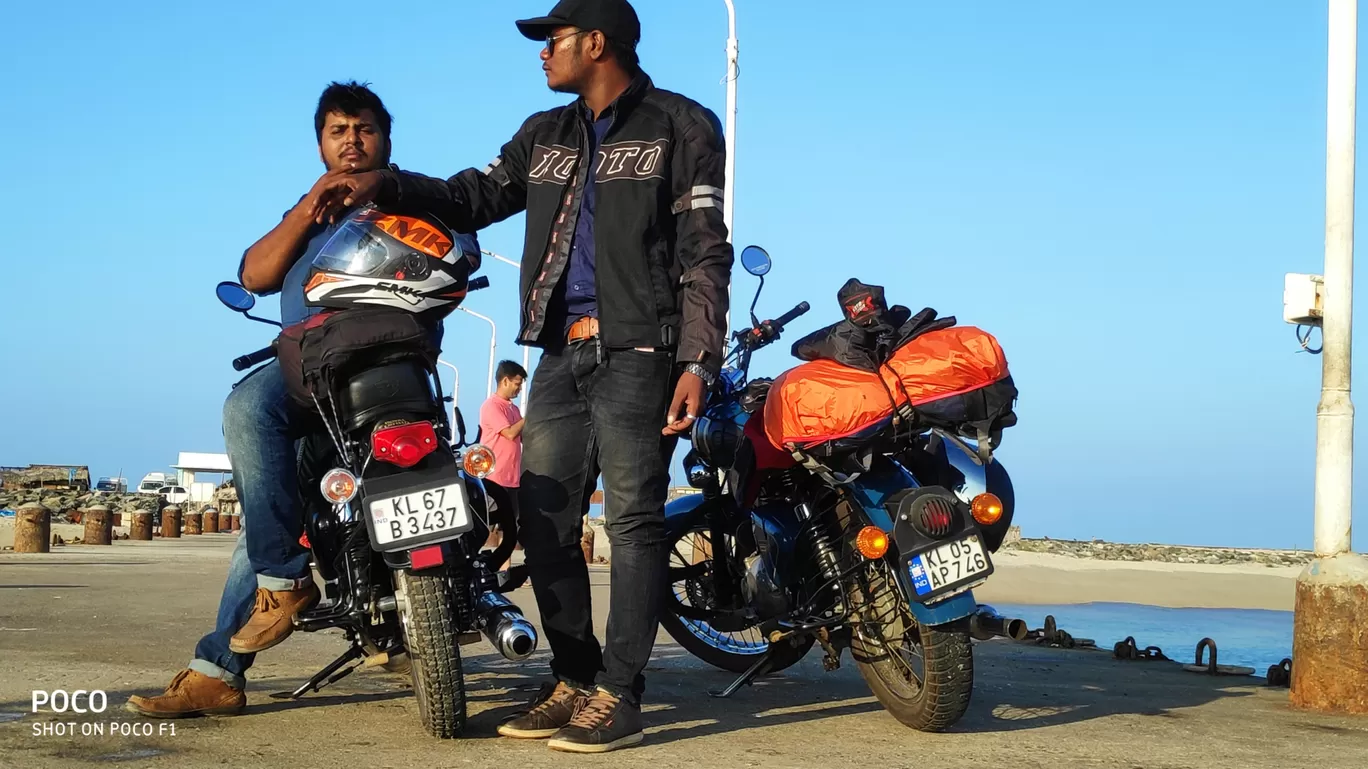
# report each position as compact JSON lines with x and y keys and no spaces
{"x":942,"y":698}
{"x":786,"y":655}
{"x":432,"y":620}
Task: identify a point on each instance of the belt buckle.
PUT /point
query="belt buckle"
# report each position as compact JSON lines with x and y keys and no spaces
{"x":576,"y":335}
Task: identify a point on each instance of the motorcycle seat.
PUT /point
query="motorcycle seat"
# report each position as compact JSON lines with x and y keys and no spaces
{"x":393,"y":390}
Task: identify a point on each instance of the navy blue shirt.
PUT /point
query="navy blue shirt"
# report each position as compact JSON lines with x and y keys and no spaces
{"x":581,"y":297}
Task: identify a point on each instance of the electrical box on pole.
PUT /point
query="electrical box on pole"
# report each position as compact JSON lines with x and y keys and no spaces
{"x":1303,"y":299}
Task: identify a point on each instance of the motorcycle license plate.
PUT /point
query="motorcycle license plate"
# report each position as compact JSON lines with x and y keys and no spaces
{"x":424,"y":514}
{"x":952,"y":565}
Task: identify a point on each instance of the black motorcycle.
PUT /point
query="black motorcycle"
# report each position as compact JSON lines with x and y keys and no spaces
{"x":395,"y":518}
{"x":873,"y":543}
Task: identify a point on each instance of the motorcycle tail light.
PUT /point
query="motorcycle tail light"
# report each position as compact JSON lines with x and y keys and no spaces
{"x":987,"y":509}
{"x":478,"y":460}
{"x":937,"y":518}
{"x":404,"y":445}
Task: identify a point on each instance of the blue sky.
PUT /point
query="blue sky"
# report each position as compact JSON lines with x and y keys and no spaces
{"x":1115,"y":192}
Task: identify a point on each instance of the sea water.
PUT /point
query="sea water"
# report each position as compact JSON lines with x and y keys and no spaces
{"x":1254,"y":638}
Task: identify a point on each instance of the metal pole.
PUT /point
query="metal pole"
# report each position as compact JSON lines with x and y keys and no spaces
{"x":729,"y":195}
{"x":527,"y":351}
{"x":493,"y":340}
{"x":455,"y":392}
{"x":1335,"y":414}
{"x":733,"y":55}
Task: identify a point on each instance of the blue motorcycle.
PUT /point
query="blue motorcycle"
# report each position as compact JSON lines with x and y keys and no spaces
{"x":872,"y":543}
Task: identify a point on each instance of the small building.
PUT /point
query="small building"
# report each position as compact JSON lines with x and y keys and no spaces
{"x":75,"y":477}
{"x":190,"y":468}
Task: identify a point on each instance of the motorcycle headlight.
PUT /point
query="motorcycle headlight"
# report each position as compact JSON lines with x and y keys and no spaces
{"x":717,"y":440}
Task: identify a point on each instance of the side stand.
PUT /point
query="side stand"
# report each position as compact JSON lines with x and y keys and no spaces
{"x":761,"y":667}
{"x":317,"y":682}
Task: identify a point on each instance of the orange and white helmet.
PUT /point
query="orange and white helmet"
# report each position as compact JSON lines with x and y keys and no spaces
{"x":409,"y":262}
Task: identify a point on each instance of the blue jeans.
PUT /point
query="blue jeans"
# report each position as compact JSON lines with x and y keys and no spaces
{"x":586,"y":417}
{"x":261,"y":433}
{"x":212,"y":657}
{"x":262,"y":428}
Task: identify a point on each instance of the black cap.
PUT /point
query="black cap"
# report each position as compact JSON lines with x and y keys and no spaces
{"x":614,"y":18}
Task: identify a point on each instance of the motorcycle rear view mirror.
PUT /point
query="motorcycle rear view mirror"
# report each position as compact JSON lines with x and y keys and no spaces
{"x":235,"y":297}
{"x":239,"y":299}
{"x":757,"y":262}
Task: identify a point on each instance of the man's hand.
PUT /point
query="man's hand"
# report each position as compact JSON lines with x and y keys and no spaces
{"x":689,"y":399}
{"x":310,"y":202}
{"x":344,"y":191}
{"x":267,"y":261}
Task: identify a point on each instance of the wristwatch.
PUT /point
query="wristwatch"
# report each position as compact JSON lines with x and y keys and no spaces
{"x":707,"y":376}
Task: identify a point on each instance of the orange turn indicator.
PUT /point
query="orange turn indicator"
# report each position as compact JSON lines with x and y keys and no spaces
{"x":872,"y":542}
{"x":987,"y":509}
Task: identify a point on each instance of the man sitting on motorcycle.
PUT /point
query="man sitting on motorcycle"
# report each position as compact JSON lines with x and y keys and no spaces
{"x":269,"y":578}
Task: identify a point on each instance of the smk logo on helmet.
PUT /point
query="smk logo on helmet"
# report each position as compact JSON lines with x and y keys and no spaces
{"x":383,"y":259}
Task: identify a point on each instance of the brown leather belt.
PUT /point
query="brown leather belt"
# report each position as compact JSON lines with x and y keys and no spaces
{"x":584,"y":328}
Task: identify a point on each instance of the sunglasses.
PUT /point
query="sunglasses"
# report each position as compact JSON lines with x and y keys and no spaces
{"x":551,"y":40}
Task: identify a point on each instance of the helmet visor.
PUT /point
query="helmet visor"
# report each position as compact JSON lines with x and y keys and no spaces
{"x":356,"y":249}
{"x":371,"y":244}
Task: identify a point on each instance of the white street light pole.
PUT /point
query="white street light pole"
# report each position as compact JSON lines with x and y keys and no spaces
{"x":1332,"y":590}
{"x":729,"y":195}
{"x":527,"y":351}
{"x":455,"y":391}
{"x":493,"y":339}
{"x":1335,"y":415}
{"x":733,"y":57}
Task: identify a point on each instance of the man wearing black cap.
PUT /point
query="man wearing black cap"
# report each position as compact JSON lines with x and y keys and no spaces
{"x":625,"y":272}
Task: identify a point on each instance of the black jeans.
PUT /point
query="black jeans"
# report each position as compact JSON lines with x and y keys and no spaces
{"x":585,"y":417}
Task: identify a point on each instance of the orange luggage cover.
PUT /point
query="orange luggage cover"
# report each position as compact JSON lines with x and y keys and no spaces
{"x":823,"y":400}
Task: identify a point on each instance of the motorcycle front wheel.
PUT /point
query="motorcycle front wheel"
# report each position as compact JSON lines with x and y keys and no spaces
{"x":690,"y":583}
{"x":431,"y":617}
{"x":923,"y":676}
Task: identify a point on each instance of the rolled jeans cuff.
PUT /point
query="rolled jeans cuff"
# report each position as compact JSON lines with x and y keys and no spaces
{"x":204,"y":667}
{"x":277,"y":584}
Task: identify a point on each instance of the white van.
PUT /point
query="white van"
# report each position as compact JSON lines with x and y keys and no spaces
{"x":152,"y":483}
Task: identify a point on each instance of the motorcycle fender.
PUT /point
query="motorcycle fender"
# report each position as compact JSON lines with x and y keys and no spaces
{"x":682,"y":512}
{"x":944,"y":612}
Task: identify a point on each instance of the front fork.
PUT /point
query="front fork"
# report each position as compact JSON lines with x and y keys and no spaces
{"x":725,"y":592}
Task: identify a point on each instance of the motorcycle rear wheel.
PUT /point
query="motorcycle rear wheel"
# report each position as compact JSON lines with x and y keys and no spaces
{"x":431,"y":617}
{"x":886,"y":628}
{"x":717,"y":648}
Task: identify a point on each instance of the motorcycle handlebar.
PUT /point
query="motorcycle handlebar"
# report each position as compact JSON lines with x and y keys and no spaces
{"x":251,"y":359}
{"x":791,"y":315}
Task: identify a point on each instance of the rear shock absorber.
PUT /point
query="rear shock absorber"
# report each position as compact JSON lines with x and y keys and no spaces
{"x":822,"y":549}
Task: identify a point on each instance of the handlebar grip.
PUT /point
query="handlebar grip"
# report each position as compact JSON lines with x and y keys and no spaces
{"x":251,"y":359}
{"x":792,"y":315}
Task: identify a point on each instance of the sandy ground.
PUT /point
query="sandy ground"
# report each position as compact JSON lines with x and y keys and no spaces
{"x":124,"y":618}
{"x":1056,"y":579}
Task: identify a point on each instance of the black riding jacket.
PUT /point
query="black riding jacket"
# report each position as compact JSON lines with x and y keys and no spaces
{"x":663,"y":263}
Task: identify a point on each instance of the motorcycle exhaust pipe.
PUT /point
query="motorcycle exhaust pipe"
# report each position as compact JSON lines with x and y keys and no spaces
{"x":986,"y":623}
{"x":505,"y":627}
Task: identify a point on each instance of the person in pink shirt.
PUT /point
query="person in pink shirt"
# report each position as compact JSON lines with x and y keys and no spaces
{"x":501,"y":425}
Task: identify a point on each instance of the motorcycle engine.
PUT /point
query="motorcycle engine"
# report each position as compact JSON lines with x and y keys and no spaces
{"x":759,"y":586}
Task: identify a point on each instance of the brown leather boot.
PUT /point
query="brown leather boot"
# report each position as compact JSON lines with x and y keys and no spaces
{"x":191,"y":693}
{"x":272,"y":618}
